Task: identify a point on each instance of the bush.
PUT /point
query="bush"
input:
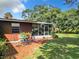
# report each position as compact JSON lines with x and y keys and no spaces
{"x":54,"y":35}
{"x":3,"y":46}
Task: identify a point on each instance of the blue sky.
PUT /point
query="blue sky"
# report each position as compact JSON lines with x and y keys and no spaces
{"x":23,"y":4}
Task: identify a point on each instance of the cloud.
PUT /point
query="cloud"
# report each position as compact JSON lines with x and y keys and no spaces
{"x":18,"y":7}
{"x":14,"y":5}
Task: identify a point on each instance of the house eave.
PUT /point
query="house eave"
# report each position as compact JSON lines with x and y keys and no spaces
{"x":22,"y":21}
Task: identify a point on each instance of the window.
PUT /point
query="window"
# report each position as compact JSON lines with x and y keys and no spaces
{"x":15,"y":27}
{"x":15,"y":30}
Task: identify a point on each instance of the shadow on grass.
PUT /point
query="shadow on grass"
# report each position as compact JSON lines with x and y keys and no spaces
{"x":61,"y":48}
{"x":40,"y":57}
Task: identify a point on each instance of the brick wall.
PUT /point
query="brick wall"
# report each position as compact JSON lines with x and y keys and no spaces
{"x":12,"y":37}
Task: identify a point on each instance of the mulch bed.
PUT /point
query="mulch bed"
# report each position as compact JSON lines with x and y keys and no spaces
{"x":20,"y":51}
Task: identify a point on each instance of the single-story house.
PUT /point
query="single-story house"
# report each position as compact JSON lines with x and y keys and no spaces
{"x":12,"y":28}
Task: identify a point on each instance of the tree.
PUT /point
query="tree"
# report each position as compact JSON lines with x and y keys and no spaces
{"x":71,"y":1}
{"x":8,"y":15}
{"x":26,"y":13}
{"x":65,"y":22}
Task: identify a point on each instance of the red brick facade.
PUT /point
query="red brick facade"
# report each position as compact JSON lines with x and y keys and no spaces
{"x":26,"y":27}
{"x":7,"y":29}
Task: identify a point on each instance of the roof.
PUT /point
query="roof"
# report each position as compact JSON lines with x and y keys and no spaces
{"x":23,"y":21}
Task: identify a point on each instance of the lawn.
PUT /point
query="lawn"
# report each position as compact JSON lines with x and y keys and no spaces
{"x":65,"y":47}
{"x":68,"y":35}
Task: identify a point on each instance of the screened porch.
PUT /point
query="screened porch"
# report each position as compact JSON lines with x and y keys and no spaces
{"x":41,"y":29}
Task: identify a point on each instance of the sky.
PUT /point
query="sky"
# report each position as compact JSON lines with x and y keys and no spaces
{"x":17,"y":6}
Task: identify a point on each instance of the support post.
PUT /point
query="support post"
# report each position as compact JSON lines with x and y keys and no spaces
{"x":48,"y":29}
{"x":44,"y":30}
{"x":38,"y":29}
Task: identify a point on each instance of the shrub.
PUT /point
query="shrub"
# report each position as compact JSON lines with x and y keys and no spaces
{"x":24,"y":35}
{"x":54,"y":35}
{"x":3,"y":46}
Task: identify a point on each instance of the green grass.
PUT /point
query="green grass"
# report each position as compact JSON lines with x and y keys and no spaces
{"x":68,"y":35}
{"x":65,"y":47}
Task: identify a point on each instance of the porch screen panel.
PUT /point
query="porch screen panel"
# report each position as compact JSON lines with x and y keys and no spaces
{"x":35,"y":29}
{"x":41,"y":29}
{"x":46,"y":29}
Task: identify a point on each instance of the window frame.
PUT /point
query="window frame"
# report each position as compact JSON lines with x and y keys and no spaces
{"x":14,"y":28}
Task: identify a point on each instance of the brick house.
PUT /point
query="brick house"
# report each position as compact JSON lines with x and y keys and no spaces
{"x":12,"y":28}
